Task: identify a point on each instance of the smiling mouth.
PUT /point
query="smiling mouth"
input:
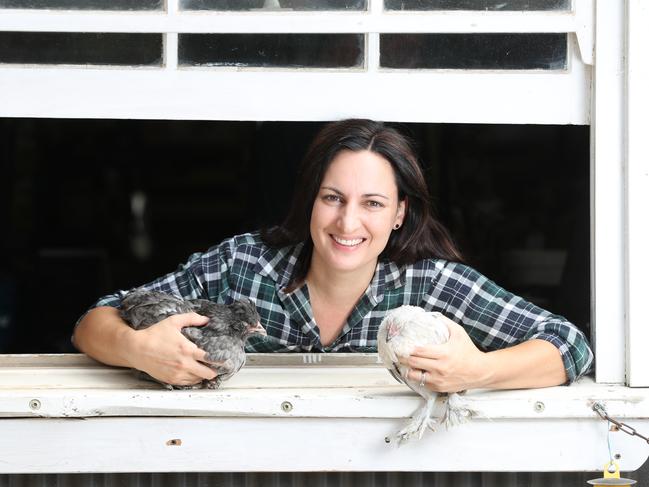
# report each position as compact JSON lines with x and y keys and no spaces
{"x":354,"y":242}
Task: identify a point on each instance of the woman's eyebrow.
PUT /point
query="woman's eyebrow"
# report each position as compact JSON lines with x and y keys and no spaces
{"x":374,"y":195}
{"x":366,"y":195}
{"x":331,"y":188}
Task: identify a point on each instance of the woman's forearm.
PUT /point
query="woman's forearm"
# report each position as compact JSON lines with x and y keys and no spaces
{"x":458,"y":364}
{"x":104,"y":336}
{"x":535,"y":363}
{"x":160,"y":350}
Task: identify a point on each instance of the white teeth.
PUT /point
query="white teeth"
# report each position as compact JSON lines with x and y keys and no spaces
{"x":347,"y":243}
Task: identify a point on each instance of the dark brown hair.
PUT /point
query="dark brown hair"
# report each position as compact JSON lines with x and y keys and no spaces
{"x":421,"y":235}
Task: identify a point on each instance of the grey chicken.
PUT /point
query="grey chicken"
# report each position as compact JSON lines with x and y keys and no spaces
{"x":222,"y":338}
{"x":401,"y":331}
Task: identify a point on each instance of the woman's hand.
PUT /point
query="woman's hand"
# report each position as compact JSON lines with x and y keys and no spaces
{"x":164,"y":353}
{"x":453,"y":366}
{"x":458,"y":364}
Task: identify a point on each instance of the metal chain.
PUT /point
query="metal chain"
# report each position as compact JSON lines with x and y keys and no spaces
{"x":599,"y":409}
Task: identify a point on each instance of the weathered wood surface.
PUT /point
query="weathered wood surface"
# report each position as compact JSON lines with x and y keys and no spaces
{"x":303,"y":444}
{"x":342,"y":385}
{"x":293,"y":413}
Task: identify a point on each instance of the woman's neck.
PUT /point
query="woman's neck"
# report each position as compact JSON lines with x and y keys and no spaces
{"x":338,"y":287}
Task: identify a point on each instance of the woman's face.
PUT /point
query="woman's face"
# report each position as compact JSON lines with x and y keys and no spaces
{"x":354,"y":212}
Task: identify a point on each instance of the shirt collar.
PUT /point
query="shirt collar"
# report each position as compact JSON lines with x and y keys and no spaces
{"x":279,"y":265}
{"x":386,"y":277}
{"x":392,"y":274}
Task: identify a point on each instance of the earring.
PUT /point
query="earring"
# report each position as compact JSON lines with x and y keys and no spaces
{"x":397,"y":226}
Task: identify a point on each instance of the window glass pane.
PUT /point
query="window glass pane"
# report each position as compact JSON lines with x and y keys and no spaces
{"x":474,"y":51}
{"x":80,"y":48}
{"x":273,"y":4}
{"x":276,"y":50}
{"x":477,"y":4}
{"x":85,"y":4}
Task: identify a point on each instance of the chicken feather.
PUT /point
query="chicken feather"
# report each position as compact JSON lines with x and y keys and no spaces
{"x":401,"y":331}
{"x":222,"y":338}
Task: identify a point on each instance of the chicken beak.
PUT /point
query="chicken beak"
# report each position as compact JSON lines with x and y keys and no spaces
{"x":258,"y":329}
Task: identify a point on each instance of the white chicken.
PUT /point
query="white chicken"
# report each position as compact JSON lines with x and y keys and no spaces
{"x":401,"y":331}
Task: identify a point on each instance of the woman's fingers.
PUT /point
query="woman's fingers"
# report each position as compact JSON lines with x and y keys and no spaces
{"x":449,"y":367}
{"x":201,"y":356}
{"x":187,"y":319}
{"x":166,"y":354}
{"x":423,"y":363}
{"x":431,"y":351}
{"x":201,"y":371}
{"x":192,"y":374}
{"x":418,"y":376}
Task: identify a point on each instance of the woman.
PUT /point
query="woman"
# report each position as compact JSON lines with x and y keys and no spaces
{"x":359,"y":240}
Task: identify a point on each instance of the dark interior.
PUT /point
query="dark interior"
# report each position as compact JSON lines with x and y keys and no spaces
{"x":90,"y":206}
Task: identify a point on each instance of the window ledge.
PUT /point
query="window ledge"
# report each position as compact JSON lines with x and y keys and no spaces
{"x":297,"y":412}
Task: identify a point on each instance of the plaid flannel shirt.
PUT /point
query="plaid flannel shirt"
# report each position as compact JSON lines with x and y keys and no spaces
{"x":243,"y":266}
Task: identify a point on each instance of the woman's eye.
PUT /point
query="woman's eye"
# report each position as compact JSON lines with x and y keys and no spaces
{"x":331,"y":198}
{"x":374,"y":204}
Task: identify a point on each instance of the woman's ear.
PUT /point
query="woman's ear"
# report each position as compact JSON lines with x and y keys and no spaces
{"x":401,"y":211}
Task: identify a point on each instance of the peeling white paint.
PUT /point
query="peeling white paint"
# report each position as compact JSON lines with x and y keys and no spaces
{"x":349,"y":404}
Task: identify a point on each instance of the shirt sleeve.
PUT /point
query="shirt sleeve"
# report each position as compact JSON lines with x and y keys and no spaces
{"x":495,"y":318}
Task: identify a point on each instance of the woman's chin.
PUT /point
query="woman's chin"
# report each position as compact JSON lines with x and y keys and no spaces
{"x":349,"y":263}
{"x":340,"y":258}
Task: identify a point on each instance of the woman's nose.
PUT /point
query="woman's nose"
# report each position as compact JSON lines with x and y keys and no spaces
{"x":349,"y":219}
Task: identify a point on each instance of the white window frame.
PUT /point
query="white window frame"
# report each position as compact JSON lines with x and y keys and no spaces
{"x":542,"y":97}
{"x":596,"y":28}
{"x":637,"y":202}
{"x":619,"y":193}
{"x":608,"y":276}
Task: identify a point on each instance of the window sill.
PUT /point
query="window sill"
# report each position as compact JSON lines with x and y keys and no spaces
{"x":295,"y":412}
